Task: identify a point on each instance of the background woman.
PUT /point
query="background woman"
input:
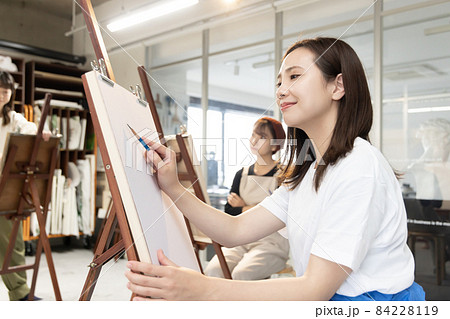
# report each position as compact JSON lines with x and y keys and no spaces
{"x":264,"y":257}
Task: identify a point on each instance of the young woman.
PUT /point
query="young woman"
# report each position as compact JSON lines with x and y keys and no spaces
{"x":264,"y":257}
{"x":340,"y":201}
{"x":10,"y":121}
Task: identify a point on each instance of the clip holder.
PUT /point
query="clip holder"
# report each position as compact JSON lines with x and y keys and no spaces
{"x":183,"y":129}
{"x":107,"y":80}
{"x":102,"y":66}
{"x":94,"y":66}
{"x":138,"y":92}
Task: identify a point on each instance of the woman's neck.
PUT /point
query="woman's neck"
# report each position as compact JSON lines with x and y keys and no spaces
{"x":320,"y":139}
{"x":320,"y":132}
{"x":264,"y":164}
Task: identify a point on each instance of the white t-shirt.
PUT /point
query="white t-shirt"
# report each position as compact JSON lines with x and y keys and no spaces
{"x":18,"y":124}
{"x":356,"y":219}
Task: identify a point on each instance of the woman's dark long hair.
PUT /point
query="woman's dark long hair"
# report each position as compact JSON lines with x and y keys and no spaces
{"x":354,"y":119}
{"x":7,"y":82}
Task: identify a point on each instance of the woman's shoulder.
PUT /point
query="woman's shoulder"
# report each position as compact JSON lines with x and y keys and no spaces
{"x":363,"y":149}
{"x":364,"y":158}
{"x":239,"y":172}
{"x":15,"y":115}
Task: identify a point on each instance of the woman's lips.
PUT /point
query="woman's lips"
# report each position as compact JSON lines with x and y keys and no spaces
{"x":286,"y":105}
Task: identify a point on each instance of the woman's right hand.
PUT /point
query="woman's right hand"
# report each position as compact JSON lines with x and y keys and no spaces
{"x":235,"y":200}
{"x":164,"y":165}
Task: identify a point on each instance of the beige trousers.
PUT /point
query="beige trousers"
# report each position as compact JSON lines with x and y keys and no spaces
{"x":258,"y":260}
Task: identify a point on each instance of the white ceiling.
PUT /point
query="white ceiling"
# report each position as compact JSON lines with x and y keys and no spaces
{"x":409,"y":55}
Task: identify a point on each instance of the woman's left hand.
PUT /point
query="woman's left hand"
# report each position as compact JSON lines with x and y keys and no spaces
{"x":168,"y":281}
{"x":46,"y":135}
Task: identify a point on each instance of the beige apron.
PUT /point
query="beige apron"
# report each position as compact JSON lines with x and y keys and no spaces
{"x":264,"y":257}
{"x":254,"y":188}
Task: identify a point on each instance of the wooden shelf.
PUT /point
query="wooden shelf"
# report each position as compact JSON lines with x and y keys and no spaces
{"x":65,"y":84}
{"x":19,"y":78}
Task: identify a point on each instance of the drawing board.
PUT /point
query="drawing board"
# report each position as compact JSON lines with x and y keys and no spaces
{"x":154,"y":220}
{"x":12,"y":192}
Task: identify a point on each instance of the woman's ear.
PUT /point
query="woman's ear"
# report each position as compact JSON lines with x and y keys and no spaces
{"x":339,"y":90}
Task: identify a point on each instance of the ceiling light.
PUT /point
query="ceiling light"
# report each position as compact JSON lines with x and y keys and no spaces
{"x":263,"y":64}
{"x":270,"y":61}
{"x":438,"y":29}
{"x":153,"y":12}
{"x":430,"y":109}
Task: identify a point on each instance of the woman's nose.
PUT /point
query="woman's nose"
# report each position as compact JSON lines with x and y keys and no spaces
{"x":281,"y":92}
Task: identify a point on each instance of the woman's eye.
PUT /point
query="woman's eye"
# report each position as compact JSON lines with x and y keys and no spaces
{"x":278,"y":84}
{"x":295,"y":76}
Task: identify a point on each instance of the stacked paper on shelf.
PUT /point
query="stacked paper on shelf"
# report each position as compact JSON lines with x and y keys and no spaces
{"x":86,"y":194}
{"x":74,"y":133}
{"x":56,"y":204}
{"x":60,"y":103}
{"x":72,"y":206}
{"x":83,"y":123}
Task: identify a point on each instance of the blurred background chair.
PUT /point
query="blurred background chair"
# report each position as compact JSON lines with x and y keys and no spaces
{"x":426,"y":223}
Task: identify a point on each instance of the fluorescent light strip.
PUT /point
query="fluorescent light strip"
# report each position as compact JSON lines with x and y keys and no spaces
{"x":437,"y":30}
{"x":430,"y":109}
{"x":150,"y":13}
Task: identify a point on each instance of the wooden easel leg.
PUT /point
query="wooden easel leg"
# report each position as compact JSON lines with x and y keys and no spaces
{"x":43,"y":239}
{"x":102,"y":226}
{"x":101,"y":249}
{"x":197,"y":255}
{"x":194,"y":244}
{"x":37,"y":261}
{"x":89,"y":284}
{"x":222,"y":261}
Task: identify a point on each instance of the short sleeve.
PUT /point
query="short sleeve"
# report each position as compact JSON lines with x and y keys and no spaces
{"x":23,"y":126}
{"x":278,"y":203}
{"x":350,"y":218}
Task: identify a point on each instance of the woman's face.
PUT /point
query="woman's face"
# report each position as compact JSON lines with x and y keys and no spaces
{"x":260,"y":142}
{"x":5,"y":96}
{"x":303,"y":95}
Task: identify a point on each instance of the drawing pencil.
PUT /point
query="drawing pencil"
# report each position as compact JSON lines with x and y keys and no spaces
{"x":139,"y":138}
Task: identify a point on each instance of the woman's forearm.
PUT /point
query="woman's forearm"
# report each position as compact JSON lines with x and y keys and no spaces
{"x":320,"y":281}
{"x":273,"y":289}
{"x":214,"y":223}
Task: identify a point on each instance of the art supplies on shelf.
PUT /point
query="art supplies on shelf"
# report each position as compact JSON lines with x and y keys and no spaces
{"x":69,"y":214}
{"x":61,"y":103}
{"x":72,"y":205}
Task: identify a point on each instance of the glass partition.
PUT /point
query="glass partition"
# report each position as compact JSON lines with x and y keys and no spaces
{"x":416,"y":102}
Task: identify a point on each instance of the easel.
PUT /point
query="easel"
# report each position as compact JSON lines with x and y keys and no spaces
{"x":25,"y":183}
{"x":102,"y":253}
{"x":190,"y":176}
